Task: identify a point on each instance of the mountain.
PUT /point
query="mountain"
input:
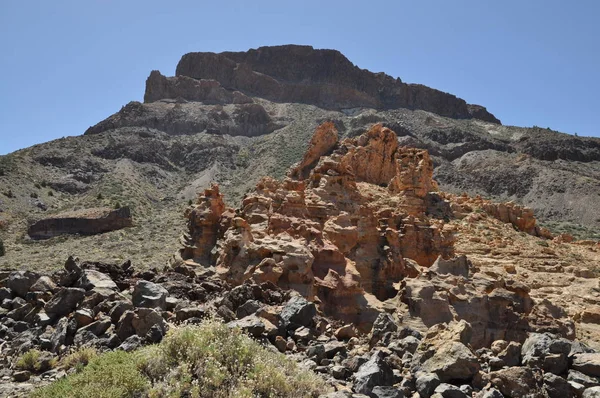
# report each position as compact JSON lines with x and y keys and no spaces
{"x":235,"y":117}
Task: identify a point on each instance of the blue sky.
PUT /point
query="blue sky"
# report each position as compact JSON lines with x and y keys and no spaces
{"x":67,"y":65}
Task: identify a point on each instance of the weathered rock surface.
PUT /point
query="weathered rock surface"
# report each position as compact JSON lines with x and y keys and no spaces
{"x":83,"y":222}
{"x":341,"y":228}
{"x":324,"y":78}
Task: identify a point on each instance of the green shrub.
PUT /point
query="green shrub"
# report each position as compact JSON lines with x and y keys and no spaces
{"x":117,"y":205}
{"x":50,"y":193}
{"x":33,"y":195}
{"x":36,"y":361}
{"x":29,"y":361}
{"x":543,"y":243}
{"x":210,"y":360}
{"x":114,"y":374}
{"x":99,"y":197}
{"x":79,"y":358}
{"x":2,"y":250}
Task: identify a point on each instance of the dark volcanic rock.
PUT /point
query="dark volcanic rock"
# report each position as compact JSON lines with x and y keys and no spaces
{"x":64,"y":301}
{"x":84,"y":222}
{"x":374,"y":372}
{"x":325,"y":78}
{"x":150,"y":295}
{"x":160,"y":87}
{"x":21,"y":281}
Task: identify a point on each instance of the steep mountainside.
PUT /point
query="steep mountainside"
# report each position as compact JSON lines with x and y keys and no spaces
{"x":232,"y":118}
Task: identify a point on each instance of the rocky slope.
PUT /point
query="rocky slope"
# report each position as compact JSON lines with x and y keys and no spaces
{"x":356,"y":266}
{"x":233,"y":118}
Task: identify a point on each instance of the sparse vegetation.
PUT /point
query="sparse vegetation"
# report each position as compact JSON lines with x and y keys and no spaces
{"x":578,"y":231}
{"x":9,"y":193}
{"x":210,"y":360}
{"x":35,"y":361}
{"x":79,"y":358}
{"x":33,"y":195}
{"x":543,"y":243}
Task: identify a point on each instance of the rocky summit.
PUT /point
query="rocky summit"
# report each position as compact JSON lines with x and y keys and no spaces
{"x":345,"y":234}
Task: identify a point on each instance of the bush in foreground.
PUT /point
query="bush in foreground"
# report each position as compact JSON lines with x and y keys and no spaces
{"x":210,"y":360}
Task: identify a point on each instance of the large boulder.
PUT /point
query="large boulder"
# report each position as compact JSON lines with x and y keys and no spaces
{"x":91,"y":279}
{"x":64,"y":302}
{"x":374,"y":372}
{"x":587,"y":363}
{"x":298,"y":312}
{"x":556,"y":386}
{"x":547,"y":352}
{"x":517,"y":382}
{"x":592,"y":392}
{"x":451,"y":360}
{"x":21,"y":281}
{"x":444,"y":352}
{"x":149,"y":295}
{"x":458,"y":266}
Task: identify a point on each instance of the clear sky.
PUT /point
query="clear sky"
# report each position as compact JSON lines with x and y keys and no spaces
{"x":66,"y":65}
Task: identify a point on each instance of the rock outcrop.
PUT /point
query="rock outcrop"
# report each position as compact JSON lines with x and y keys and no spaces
{"x":210,"y":92}
{"x":182,"y":117}
{"x":324,"y":78}
{"x":342,"y":228}
{"x":83,"y":222}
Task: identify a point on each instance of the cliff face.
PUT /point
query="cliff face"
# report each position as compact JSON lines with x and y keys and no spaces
{"x":301,"y":74}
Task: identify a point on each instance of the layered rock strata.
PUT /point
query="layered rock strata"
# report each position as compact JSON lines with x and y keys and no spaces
{"x":325,"y":78}
{"x":83,"y":222}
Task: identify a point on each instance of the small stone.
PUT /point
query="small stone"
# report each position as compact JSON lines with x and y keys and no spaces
{"x":21,"y":376}
{"x":251,"y":324}
{"x":339,"y":372}
{"x":119,"y":309}
{"x":346,"y":332}
{"x":280,"y":343}
{"x":131,"y":343}
{"x":449,"y":391}
{"x":386,"y":392}
{"x":84,"y":317}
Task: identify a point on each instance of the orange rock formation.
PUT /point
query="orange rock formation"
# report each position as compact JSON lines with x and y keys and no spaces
{"x":354,"y":227}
